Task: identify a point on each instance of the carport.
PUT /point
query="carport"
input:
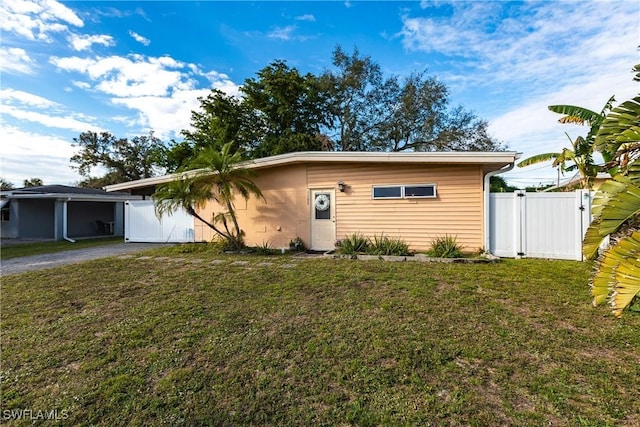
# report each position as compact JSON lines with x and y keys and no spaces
{"x":59,"y":212}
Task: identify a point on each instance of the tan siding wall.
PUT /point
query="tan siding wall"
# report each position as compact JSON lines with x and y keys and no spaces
{"x":457,"y":210}
{"x":284,"y":206}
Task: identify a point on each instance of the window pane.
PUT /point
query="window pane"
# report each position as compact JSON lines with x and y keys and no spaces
{"x":420,"y":191}
{"x":387,"y":192}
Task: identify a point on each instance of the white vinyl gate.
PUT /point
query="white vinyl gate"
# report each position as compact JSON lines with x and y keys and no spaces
{"x":539,"y":225}
{"x":142,"y":225}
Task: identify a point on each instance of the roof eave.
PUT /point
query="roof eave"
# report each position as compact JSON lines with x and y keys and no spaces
{"x":76,"y":197}
{"x":496,"y":159}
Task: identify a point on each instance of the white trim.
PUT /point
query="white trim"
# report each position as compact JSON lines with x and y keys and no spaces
{"x":332,"y":226}
{"x":403,"y":191}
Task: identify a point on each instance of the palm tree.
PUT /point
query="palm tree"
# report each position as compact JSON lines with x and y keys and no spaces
{"x":581,"y":151}
{"x":212,"y":176}
{"x":616,"y":211}
{"x":33,"y":182}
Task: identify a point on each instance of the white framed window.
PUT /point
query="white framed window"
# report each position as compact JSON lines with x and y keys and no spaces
{"x":408,"y":191}
{"x":391,"y":192}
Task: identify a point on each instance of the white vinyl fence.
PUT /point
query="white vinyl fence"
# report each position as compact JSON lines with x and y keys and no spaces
{"x":539,"y":225}
{"x":142,"y":225}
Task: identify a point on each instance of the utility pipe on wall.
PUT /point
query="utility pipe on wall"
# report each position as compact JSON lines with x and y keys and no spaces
{"x":487,"y":204}
{"x":64,"y":222}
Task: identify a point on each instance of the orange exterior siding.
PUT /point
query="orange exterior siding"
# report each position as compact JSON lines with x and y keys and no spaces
{"x":282,"y":216}
{"x":457,"y":209}
{"x":285,"y":212}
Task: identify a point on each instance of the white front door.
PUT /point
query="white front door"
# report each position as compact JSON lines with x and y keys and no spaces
{"x":323,"y":220}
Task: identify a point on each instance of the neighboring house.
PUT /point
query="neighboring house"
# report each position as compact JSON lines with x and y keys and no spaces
{"x":324,"y":196}
{"x":575,"y":183}
{"x":61,"y":212}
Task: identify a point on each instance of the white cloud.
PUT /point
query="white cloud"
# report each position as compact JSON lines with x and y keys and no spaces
{"x":36,"y":19}
{"x":47,"y":154}
{"x":49,"y":120}
{"x":221,"y":82}
{"x":134,"y":75}
{"x":140,"y":39}
{"x":16,"y":60}
{"x":166,"y":116}
{"x":162,"y":90}
{"x":81,"y":42}
{"x":540,"y":45}
{"x":282,"y":33}
{"x":112,"y":12}
{"x":307,"y":17}
{"x":24,"y":98}
{"x":23,"y":106}
{"x":81,"y":85}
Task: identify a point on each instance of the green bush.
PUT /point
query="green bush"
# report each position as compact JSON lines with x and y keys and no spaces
{"x":353,"y":244}
{"x":383,"y":245}
{"x":264,"y":249}
{"x":445,"y":247}
{"x":297,"y":245}
{"x":219,"y":246}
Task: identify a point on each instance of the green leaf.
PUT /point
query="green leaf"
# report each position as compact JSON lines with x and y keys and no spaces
{"x":618,"y":274}
{"x":592,"y":240}
{"x":538,"y":159}
{"x":621,"y":206}
{"x":575,"y":114}
{"x":621,"y":126}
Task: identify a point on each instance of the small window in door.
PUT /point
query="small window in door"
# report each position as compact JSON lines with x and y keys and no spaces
{"x":322,"y":205}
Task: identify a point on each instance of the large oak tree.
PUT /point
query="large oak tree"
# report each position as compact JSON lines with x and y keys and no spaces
{"x":123,"y":159}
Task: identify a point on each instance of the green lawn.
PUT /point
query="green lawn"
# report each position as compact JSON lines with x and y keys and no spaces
{"x":38,"y":248}
{"x":193,"y":339}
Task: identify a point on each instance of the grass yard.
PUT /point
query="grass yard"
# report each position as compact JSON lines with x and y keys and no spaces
{"x":202,"y":339}
{"x":38,"y":248}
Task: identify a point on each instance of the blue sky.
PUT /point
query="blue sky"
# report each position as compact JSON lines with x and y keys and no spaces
{"x":130,"y":67}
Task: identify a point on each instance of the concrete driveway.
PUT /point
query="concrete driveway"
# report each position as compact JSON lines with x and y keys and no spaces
{"x":57,"y":259}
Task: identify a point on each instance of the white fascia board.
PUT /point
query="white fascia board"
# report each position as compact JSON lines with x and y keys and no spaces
{"x":148,"y":182}
{"x":449,"y":157}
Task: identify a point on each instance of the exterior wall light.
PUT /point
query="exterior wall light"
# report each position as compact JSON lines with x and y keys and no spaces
{"x":341,"y":186}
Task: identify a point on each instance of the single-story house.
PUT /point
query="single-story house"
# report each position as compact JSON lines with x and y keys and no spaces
{"x":321,"y":197}
{"x":575,"y":183}
{"x":60,"y":212}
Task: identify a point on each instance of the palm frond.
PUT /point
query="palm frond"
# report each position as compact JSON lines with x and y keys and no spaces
{"x":616,"y":201}
{"x":619,"y":274}
{"x":618,"y":207}
{"x":575,"y":114}
{"x":621,"y":126}
{"x":539,"y":158}
{"x":592,"y":240}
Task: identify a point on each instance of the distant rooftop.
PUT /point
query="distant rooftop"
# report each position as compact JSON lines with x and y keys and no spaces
{"x":64,"y":192}
{"x":57,"y":189}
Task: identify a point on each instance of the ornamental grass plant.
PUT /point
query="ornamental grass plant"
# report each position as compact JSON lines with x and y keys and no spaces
{"x":445,"y":247}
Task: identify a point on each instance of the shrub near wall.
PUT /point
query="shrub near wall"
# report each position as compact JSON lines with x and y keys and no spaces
{"x":443,"y":249}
